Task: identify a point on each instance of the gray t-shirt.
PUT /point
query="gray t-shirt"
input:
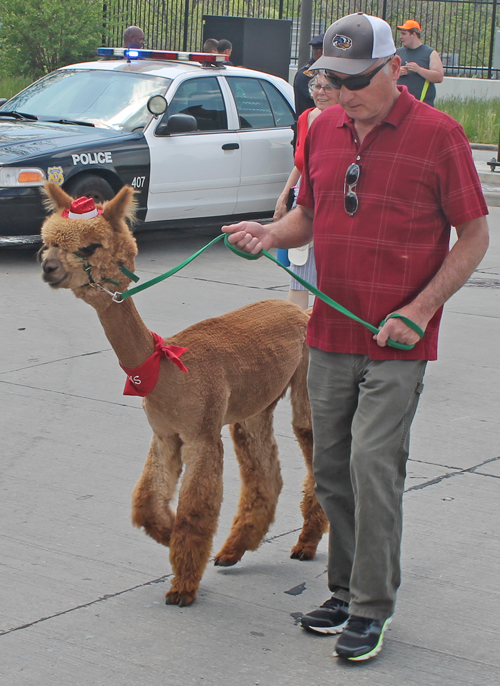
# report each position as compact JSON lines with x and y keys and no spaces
{"x":414,"y":82}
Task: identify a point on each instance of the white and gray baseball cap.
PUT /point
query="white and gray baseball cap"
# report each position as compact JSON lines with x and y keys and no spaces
{"x":352,"y":44}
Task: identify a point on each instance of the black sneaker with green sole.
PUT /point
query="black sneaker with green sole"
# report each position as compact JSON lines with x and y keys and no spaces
{"x":330,"y":618}
{"x":362,"y":638}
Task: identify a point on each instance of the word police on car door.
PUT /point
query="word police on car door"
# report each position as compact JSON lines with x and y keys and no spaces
{"x":93,"y":158}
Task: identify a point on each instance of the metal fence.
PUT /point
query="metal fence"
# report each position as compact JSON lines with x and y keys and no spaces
{"x":462,"y":31}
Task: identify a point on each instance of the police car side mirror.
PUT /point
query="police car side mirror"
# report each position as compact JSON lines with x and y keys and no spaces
{"x":157,"y":105}
{"x":177,"y":123}
{"x":3,"y":101}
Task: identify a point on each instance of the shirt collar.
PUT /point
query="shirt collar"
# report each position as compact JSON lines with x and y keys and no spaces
{"x":395,"y":116}
{"x":401,"y":107}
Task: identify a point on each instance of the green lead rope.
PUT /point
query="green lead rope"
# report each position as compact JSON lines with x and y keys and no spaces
{"x":173,"y":271}
{"x":329,"y":301}
{"x":325,"y":298}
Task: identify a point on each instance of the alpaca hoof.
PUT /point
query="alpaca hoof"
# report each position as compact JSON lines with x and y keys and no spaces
{"x":302,"y":554}
{"x":226,"y":560}
{"x":180,"y":599}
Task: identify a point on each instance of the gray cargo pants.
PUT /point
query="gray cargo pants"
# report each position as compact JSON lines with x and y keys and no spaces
{"x":362,"y":411}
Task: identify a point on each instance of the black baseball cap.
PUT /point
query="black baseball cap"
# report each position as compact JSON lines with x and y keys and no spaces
{"x":354,"y":43}
{"x":317,"y":41}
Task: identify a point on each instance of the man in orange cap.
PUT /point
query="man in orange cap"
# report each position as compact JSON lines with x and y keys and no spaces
{"x":421,"y":66}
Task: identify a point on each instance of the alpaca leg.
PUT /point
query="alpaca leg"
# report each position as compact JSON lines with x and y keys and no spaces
{"x":257,"y":454}
{"x":156,"y":486}
{"x":198,"y":508}
{"x":315,"y":521}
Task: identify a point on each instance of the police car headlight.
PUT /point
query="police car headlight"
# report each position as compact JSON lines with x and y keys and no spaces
{"x":19,"y":177}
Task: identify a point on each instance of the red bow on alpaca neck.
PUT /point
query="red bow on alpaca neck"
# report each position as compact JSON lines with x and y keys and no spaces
{"x":142,"y":380}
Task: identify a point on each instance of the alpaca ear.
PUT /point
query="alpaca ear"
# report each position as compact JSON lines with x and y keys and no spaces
{"x":55,"y":198}
{"x":122,"y":206}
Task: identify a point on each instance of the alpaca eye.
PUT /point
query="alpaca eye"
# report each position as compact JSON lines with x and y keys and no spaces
{"x":89,"y":250}
{"x":40,"y":252}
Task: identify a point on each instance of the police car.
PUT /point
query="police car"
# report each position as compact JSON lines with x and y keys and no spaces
{"x":200,"y":141}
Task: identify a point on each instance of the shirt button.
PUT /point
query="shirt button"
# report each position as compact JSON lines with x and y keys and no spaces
{"x":358,"y":157}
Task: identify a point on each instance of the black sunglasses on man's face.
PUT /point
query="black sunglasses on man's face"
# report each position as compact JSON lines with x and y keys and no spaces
{"x":354,"y":83}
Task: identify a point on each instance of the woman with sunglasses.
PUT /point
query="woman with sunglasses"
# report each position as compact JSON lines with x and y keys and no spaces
{"x":302,"y":259}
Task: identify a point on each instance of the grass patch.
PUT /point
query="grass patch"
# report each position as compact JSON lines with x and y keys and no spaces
{"x":10,"y":85}
{"x":479,"y":117}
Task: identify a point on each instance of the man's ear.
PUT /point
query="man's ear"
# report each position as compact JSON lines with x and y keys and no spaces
{"x":395,"y":65}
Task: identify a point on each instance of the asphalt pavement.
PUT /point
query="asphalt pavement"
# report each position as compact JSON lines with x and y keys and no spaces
{"x":82,"y":591}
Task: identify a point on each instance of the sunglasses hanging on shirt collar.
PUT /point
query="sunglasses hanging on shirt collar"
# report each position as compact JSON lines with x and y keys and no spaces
{"x":351,"y":179}
{"x":354,"y":83}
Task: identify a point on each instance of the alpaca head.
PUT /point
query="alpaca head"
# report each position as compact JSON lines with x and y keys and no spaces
{"x":82,"y":251}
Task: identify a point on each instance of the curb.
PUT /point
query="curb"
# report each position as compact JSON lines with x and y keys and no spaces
{"x":483,"y":146}
{"x":489,"y":178}
{"x":491,"y":196}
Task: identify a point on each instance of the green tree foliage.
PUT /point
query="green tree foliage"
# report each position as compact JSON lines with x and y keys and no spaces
{"x":38,"y":36}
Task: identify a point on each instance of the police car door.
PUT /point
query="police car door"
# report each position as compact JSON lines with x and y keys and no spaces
{"x":265,"y":120}
{"x":194,"y":174}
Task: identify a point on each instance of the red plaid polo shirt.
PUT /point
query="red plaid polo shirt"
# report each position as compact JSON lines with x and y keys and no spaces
{"x":417,"y":180}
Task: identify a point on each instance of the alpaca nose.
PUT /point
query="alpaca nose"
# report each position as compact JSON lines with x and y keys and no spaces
{"x":52,"y":271}
{"x":49,"y":266}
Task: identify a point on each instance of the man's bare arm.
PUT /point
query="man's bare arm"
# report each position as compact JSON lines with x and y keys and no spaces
{"x":459,"y":264}
{"x":435,"y":73}
{"x":292,"y":231}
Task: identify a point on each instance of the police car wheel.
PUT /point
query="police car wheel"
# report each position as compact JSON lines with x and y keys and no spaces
{"x":91,"y":186}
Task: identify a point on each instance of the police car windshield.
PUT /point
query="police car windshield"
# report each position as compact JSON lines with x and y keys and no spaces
{"x":107,"y":99}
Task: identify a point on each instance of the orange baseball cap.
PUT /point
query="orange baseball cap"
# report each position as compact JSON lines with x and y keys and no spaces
{"x":410,"y":24}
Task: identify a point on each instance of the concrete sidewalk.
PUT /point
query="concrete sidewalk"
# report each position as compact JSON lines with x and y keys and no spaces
{"x":83,"y":592}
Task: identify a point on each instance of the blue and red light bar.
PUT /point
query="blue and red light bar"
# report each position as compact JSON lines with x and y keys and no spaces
{"x":128,"y":53}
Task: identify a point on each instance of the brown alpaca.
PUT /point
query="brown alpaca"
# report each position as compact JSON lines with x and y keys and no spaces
{"x":239,"y":366}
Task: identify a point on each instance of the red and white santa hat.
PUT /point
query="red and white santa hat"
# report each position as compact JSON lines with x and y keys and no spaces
{"x":82,"y":208}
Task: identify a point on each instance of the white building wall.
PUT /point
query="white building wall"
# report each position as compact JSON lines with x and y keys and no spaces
{"x":463,"y":87}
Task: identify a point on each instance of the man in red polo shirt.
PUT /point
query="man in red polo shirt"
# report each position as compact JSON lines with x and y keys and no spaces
{"x":385,"y":178}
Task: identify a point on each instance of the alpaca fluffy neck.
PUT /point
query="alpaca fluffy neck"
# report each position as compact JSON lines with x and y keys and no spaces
{"x":129,"y":336}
